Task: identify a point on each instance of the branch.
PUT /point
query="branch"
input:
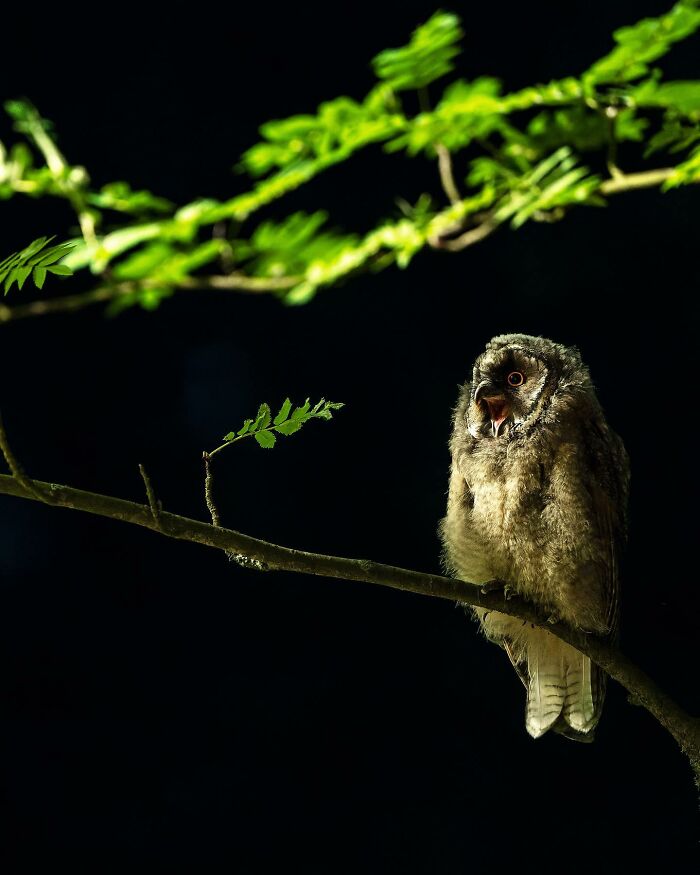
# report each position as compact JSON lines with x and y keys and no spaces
{"x":447,"y":179}
{"x":619,"y":183}
{"x":683,"y":727}
{"x":468,"y":238}
{"x":632,"y":181}
{"x":68,"y":303}
{"x":15,"y":467}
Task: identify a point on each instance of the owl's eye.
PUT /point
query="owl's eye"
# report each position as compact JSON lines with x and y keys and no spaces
{"x":515,"y":378}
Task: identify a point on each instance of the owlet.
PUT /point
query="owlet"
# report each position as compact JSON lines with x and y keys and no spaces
{"x":537,"y":499}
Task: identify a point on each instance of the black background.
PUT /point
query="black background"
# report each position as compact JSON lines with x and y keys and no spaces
{"x":161,"y":706}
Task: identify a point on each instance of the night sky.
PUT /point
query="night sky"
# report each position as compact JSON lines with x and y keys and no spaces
{"x":162,"y":706}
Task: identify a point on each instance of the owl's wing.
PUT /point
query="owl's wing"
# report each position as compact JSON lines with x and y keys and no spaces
{"x":608,"y":489}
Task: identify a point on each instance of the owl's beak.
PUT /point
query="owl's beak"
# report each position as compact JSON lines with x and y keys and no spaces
{"x":496,"y":402}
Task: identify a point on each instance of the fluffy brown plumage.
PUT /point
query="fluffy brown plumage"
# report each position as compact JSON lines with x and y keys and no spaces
{"x":537,"y":499}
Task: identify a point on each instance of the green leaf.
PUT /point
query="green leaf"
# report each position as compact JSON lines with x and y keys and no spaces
{"x":683,"y":97}
{"x":685,"y":173}
{"x":34,"y":260}
{"x":642,"y":43}
{"x":300,"y":412}
{"x":39,"y":275}
{"x":427,"y":57}
{"x":319,"y":404}
{"x":266,"y":439}
{"x":21,"y":274}
{"x":229,"y":437}
{"x":246,"y":427}
{"x":289,"y":427}
{"x":120,"y":197}
{"x":263,"y":418}
{"x":283,"y":412}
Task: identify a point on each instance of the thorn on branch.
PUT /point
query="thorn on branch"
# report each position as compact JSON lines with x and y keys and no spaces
{"x":153,"y":502}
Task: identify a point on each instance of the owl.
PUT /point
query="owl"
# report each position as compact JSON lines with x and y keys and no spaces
{"x":537,"y":499}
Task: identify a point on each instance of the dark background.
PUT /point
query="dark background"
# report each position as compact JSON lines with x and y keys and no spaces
{"x":162,"y":706}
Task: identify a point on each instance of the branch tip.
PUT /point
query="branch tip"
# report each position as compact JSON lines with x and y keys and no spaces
{"x":153,"y":502}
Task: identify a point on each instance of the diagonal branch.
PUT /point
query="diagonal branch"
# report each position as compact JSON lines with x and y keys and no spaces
{"x":682,"y":726}
{"x":67,"y":303}
{"x":617,"y":184}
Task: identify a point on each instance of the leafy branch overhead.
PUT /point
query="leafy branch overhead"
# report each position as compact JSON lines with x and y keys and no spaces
{"x":502,"y":158}
{"x":264,"y":428}
{"x":34,"y":260}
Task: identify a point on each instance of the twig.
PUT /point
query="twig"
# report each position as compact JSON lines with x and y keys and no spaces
{"x":468,"y":238}
{"x":241,"y":558}
{"x":684,"y":728}
{"x":620,"y":183}
{"x":449,"y":186}
{"x":153,"y":502}
{"x":260,"y":285}
{"x":69,"y":303}
{"x":16,"y":468}
{"x":633,"y":181}
{"x":208,"y":492}
{"x":610,"y":114}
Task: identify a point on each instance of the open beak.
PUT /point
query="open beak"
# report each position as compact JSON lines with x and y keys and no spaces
{"x":496,"y":402}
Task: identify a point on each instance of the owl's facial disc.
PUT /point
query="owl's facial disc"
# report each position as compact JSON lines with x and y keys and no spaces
{"x":496,"y":403}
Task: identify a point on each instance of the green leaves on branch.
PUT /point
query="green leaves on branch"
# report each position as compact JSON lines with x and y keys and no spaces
{"x":264,"y":428}
{"x":35,"y":260}
{"x":513,"y":157}
{"x":555,"y":183}
{"x":427,"y":57}
{"x":290,"y":247}
{"x":642,"y":43}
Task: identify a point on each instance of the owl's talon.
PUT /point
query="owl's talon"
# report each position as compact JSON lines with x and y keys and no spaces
{"x":553,"y":619}
{"x":509,"y":592}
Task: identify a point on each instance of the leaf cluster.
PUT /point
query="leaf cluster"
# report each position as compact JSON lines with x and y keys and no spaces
{"x":35,"y":260}
{"x":517,"y":156}
{"x":288,"y":420}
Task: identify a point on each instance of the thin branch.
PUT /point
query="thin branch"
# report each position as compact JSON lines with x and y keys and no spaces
{"x":610,"y":114}
{"x":684,"y":728}
{"x":260,"y":285}
{"x":619,"y":183}
{"x":66,"y":304}
{"x":69,"y":303}
{"x":208,"y":492}
{"x":449,"y":186}
{"x":632,"y":181}
{"x":153,"y":502}
{"x":241,"y":283}
{"x":70,"y":180}
{"x":468,"y":238}
{"x":15,"y":467}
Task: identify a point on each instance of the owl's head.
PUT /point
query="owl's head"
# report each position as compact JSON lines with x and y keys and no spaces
{"x":516,"y":381}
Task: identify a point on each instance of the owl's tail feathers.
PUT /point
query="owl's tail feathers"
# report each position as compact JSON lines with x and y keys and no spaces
{"x":546,"y":687}
{"x":564,"y":690}
{"x":585,"y":691}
